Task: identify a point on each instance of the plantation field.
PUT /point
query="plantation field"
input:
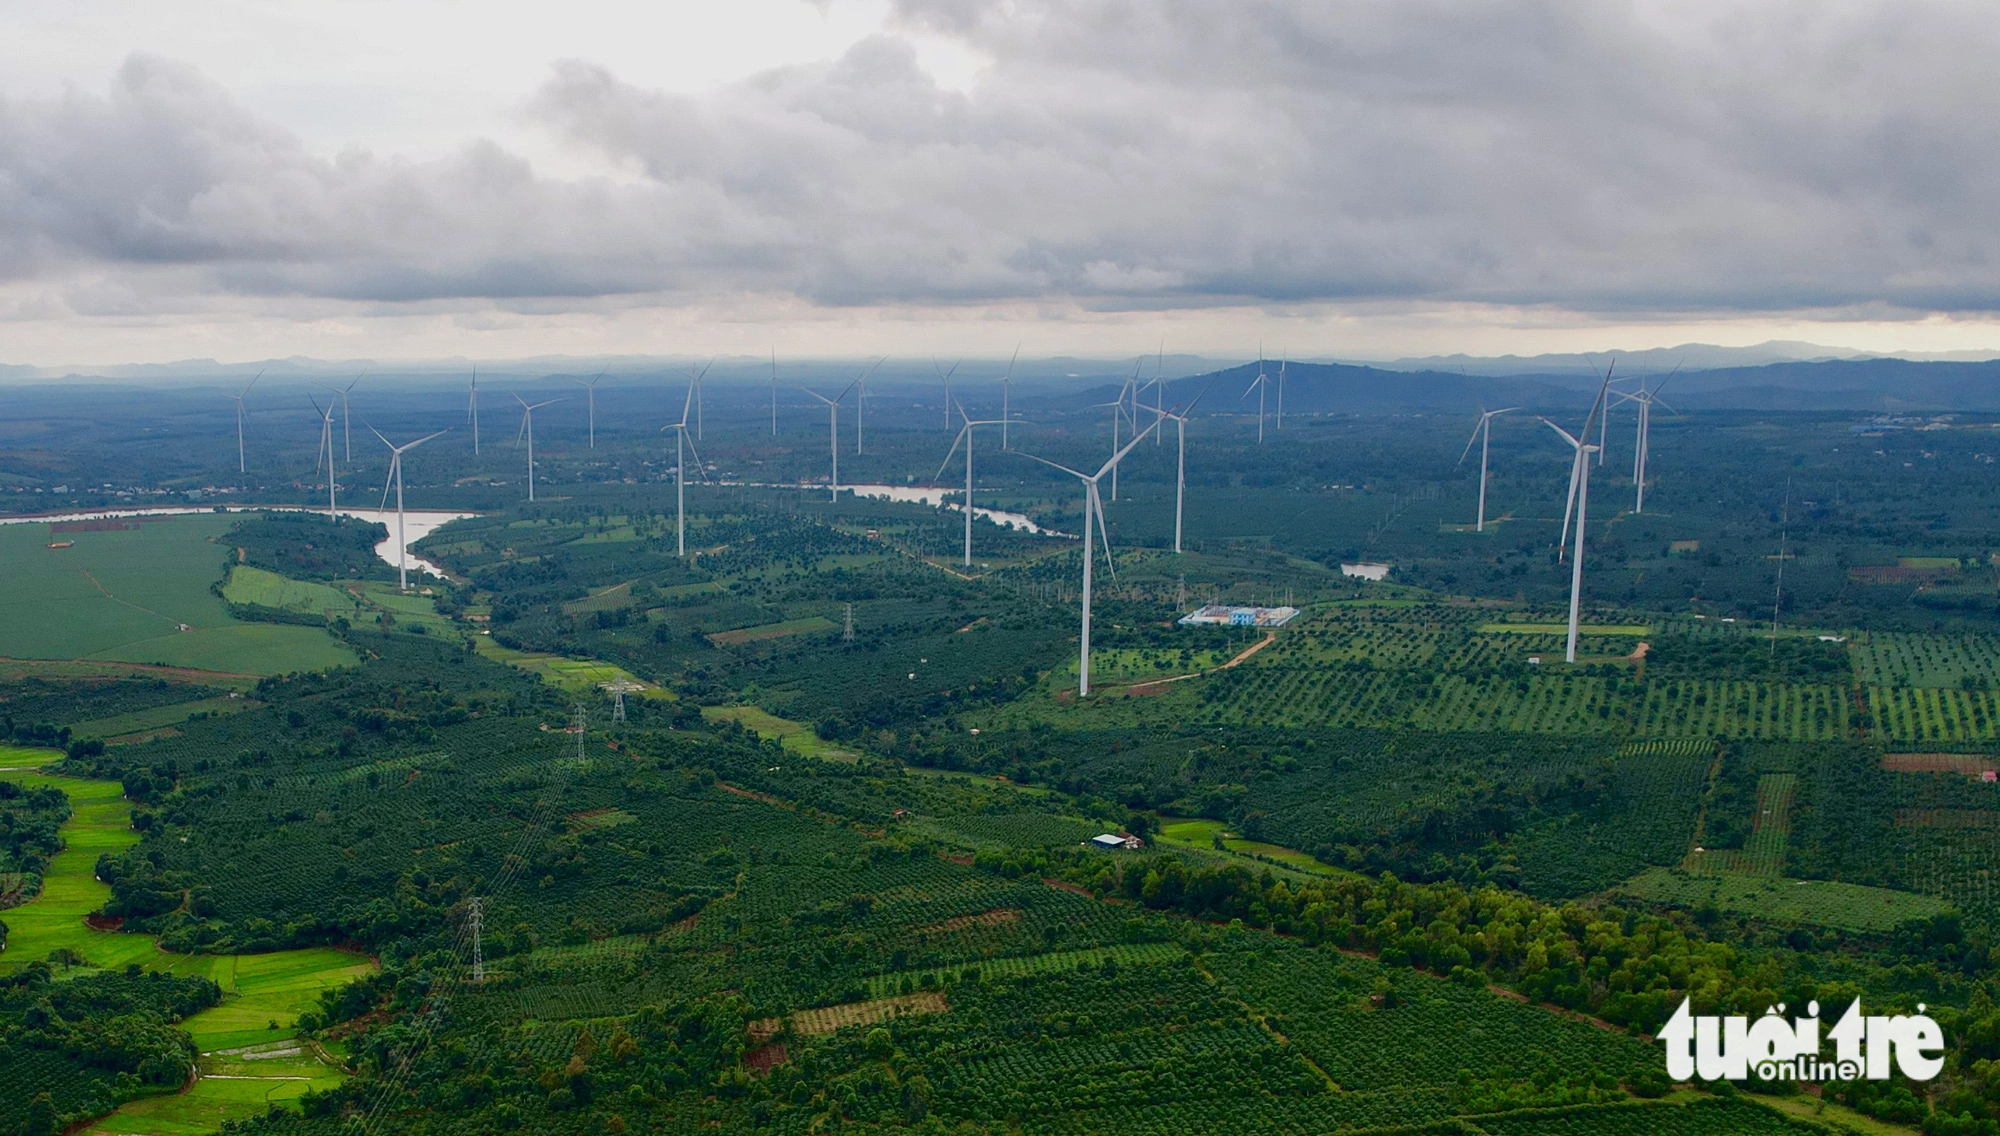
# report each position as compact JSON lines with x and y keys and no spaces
{"x":1941,"y":661}
{"x":1819,"y":903}
{"x":122,"y":595}
{"x":796,"y":737}
{"x":157,"y":716}
{"x":1929,"y":714}
{"x":779,"y":630}
{"x":1054,"y":962}
{"x":1016,"y":830}
{"x":1626,"y":630}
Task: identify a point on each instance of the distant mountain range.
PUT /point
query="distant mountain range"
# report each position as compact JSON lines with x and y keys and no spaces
{"x":1862,"y":385}
{"x":1767,"y":376}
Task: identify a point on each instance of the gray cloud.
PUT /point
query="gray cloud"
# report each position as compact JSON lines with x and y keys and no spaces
{"x":1595,"y":157}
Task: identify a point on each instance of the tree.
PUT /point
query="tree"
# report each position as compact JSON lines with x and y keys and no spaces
{"x":42,"y":1118}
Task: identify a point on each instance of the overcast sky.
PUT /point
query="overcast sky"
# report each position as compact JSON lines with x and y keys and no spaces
{"x":406,"y":178}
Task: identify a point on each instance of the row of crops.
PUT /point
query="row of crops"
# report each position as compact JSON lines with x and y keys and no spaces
{"x":1557,"y":703}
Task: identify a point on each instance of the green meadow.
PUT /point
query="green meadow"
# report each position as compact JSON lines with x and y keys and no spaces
{"x":263,"y":995}
{"x":124,"y":595}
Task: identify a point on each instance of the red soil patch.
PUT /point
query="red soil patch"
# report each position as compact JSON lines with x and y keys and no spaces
{"x":104,"y":922}
{"x":765,"y":1058}
{"x":1970,"y":764}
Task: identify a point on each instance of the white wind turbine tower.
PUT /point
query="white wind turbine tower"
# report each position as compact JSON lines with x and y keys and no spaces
{"x":1642,"y":446}
{"x":1260,"y":384}
{"x":946,"y":375}
{"x":472,"y":411}
{"x":325,"y":454}
{"x":694,"y":378}
{"x":1006,"y":389}
{"x":861,"y":401}
{"x":1160,"y":388}
{"x":1180,"y":420}
{"x":965,"y":435}
{"x":591,"y":389}
{"x":683,"y":445}
{"x":396,"y":476}
{"x":1569,"y":506}
{"x":528,"y":430}
{"x":347,"y":418}
{"x":833,"y":431}
{"x":1580,"y":495}
{"x":1093,"y":505}
{"x":1483,"y":434}
{"x":1281,"y":394}
{"x":241,"y":413}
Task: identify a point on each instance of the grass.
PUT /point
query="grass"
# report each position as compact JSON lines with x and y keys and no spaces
{"x":1196,"y":833}
{"x":1820,"y":903}
{"x":573,"y":675}
{"x":258,"y":990}
{"x":247,"y":585}
{"x":122,"y":595}
{"x":796,"y":737}
{"x":765,"y":631}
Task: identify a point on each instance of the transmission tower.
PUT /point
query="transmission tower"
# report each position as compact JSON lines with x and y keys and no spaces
{"x":847,"y":635}
{"x":474,"y":916}
{"x":619,"y":688}
{"x":579,"y":730}
{"x":1180,"y":592}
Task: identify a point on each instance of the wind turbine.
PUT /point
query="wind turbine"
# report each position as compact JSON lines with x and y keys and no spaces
{"x":1281,"y":394}
{"x":1642,"y":447}
{"x":472,"y":410}
{"x":695,"y":377}
{"x":241,"y":413}
{"x":1160,"y":388}
{"x":946,"y":376}
{"x":1180,"y":420}
{"x":325,"y":453}
{"x":861,"y":401}
{"x":1579,"y":480}
{"x":965,"y":435}
{"x":1260,"y":384}
{"x":833,"y":430}
{"x":396,"y":475}
{"x":1595,"y":407}
{"x":591,"y":388}
{"x":1092,"y":504}
{"x":347,"y":418}
{"x":1006,"y":389}
{"x":1119,"y":413}
{"x":683,"y":443}
{"x":528,"y":430}
{"x":1483,"y":434}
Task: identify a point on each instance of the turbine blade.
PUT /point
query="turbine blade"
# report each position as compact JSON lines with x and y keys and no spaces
{"x":699,"y":468}
{"x":1104,"y":532}
{"x":1483,"y":419}
{"x":1064,"y":468}
{"x":948,"y":453}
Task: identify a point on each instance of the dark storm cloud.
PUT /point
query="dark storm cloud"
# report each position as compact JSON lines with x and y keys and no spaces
{"x":1173,"y":152}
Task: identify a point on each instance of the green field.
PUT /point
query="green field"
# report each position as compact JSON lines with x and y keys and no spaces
{"x":123,"y":595}
{"x":574,"y":675}
{"x":796,"y":737}
{"x":263,"y":995}
{"x":158,"y":716}
{"x":1822,"y":903}
{"x":1196,"y":833}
